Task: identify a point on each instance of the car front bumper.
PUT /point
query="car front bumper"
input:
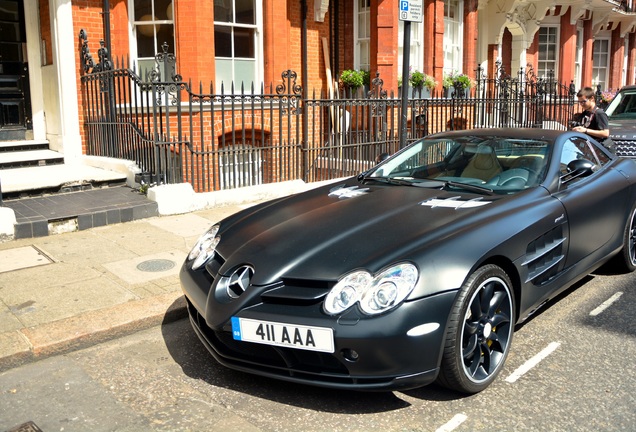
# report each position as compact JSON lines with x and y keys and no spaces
{"x":397,"y":350}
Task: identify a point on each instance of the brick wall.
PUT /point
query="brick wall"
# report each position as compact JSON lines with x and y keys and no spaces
{"x":45,"y":31}
{"x":86,"y":15}
{"x":565,"y":72}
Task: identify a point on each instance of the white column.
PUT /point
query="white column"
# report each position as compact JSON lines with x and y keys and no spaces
{"x":64,"y":44}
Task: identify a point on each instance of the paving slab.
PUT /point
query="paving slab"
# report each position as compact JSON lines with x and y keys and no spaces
{"x":22,"y":257}
{"x":148,"y":267}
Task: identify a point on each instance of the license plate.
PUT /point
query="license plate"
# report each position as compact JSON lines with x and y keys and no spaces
{"x":281,"y":334}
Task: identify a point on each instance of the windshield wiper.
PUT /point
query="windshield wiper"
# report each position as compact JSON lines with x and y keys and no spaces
{"x":389,"y":180}
{"x":468,"y":186}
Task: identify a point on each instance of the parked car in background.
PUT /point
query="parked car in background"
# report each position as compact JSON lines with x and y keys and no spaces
{"x":416,"y":270}
{"x":622,"y":121}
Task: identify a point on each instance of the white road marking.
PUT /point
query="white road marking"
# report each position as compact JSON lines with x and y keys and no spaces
{"x":453,"y":423}
{"x":607,"y":303}
{"x":532,"y":362}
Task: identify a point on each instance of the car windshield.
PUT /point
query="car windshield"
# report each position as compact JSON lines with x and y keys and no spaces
{"x":474,"y":163}
{"x":623,"y":106}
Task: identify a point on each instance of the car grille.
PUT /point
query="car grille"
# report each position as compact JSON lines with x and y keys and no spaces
{"x":625,"y":148}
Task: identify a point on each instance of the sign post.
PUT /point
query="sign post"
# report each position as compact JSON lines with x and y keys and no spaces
{"x":410,"y":11}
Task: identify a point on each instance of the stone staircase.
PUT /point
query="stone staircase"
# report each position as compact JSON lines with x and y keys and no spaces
{"x":21,"y":154}
{"x":42,"y":194}
{"x":30,"y":168}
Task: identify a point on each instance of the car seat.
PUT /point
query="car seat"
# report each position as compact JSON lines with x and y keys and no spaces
{"x":483,"y":165}
{"x":514,"y":178}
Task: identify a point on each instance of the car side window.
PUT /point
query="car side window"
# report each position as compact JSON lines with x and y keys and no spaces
{"x":576,"y":148}
{"x":601,"y":156}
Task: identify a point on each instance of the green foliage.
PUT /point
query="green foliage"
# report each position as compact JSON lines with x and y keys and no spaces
{"x":352,"y":78}
{"x":366,"y":77}
{"x":419,"y":79}
{"x":457,"y":80}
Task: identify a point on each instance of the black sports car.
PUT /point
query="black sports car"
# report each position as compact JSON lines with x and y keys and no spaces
{"x":417,"y":270}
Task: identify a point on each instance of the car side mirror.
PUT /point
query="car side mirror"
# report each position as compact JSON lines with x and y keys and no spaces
{"x":578,"y":168}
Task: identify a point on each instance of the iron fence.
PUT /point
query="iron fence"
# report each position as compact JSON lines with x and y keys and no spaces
{"x":237,"y":137}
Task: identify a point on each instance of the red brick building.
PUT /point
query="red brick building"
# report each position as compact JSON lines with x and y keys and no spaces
{"x":243,"y":41}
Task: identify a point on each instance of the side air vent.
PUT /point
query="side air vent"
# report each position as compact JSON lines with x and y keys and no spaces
{"x":543,"y":256}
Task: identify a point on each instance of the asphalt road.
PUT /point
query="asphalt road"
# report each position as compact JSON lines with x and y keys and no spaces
{"x":570,"y":369}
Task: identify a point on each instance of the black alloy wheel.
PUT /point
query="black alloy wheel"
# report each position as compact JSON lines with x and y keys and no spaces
{"x":479,"y":332}
{"x":628,"y":253}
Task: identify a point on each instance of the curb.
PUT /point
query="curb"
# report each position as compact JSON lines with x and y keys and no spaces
{"x":90,"y":328}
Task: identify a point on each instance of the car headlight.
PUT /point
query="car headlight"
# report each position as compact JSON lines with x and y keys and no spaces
{"x":204,"y":249}
{"x":389,"y":289}
{"x":347,"y":292}
{"x":374,"y":294}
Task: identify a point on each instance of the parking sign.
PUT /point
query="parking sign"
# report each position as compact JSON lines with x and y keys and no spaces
{"x":411,"y":10}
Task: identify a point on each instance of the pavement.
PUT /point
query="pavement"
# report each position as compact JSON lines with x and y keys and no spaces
{"x":67,"y":290}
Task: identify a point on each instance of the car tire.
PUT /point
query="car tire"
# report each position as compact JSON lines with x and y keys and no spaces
{"x":627,"y":257}
{"x":479,"y":332}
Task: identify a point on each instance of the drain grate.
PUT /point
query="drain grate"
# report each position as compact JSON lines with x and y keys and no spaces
{"x":155,"y":265}
{"x":26,"y":427}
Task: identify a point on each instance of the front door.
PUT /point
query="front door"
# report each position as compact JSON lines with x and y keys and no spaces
{"x":15,"y":104}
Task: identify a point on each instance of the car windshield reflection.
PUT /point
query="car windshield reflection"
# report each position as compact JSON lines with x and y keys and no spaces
{"x":488,"y":164}
{"x":623,"y":106}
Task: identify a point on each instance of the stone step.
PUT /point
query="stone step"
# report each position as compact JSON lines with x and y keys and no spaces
{"x":29,"y":158}
{"x":22,"y":145}
{"x":36,"y":180}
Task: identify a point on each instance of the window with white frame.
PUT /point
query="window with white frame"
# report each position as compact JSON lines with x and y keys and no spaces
{"x":600,"y":62}
{"x":548,"y":51}
{"x":625,"y":62}
{"x":237,"y":43}
{"x":578,"y":59}
{"x":415,"y":50}
{"x":152,"y":26}
{"x":362,"y":28}
{"x":453,"y":35}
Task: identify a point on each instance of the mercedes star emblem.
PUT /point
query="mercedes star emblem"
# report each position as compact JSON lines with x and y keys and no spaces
{"x":239,"y":281}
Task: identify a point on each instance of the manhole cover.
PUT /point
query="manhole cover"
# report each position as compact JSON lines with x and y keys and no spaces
{"x":155,"y":265}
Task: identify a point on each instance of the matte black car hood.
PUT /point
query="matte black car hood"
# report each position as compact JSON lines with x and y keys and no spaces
{"x":324,"y":233}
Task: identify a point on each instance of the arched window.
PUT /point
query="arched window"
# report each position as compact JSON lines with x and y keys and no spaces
{"x":240,"y":166}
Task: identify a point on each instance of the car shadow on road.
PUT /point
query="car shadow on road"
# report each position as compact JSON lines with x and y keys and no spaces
{"x":553,"y":301}
{"x":196,"y":362}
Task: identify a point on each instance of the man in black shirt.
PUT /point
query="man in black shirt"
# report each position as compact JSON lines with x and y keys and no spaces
{"x":594,"y":121}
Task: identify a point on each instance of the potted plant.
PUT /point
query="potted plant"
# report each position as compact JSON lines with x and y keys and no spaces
{"x":456,"y":82}
{"x":606,"y":97}
{"x":421,"y":81}
{"x":352,"y":79}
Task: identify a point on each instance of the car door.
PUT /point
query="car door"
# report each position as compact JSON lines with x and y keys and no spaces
{"x":595,"y":205}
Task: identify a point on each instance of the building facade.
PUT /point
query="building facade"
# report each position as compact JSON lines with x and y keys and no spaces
{"x":225,"y":43}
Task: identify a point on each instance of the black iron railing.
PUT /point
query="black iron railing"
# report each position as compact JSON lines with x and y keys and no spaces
{"x":232,"y":137}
